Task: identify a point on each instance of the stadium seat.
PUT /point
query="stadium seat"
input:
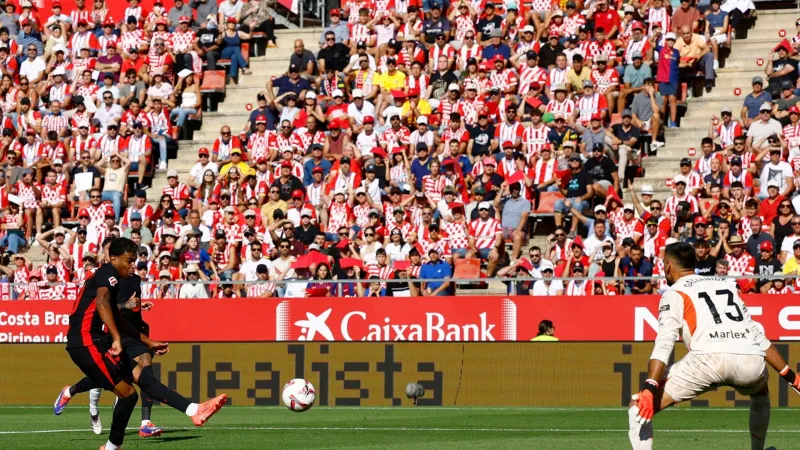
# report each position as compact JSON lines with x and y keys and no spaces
{"x":213,"y":87}
{"x":547,"y":202}
{"x":615,"y":119}
{"x":467,"y":268}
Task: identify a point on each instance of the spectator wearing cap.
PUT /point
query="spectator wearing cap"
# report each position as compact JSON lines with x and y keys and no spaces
{"x":760,"y":131}
{"x":115,"y":170}
{"x":291,"y":82}
{"x":203,"y":164}
{"x":578,"y":191}
{"x":766,"y":265}
{"x":496,"y":48}
{"x":782,"y":105}
{"x":792,"y":264}
{"x":178,"y":191}
{"x":727,"y":130}
{"x":435,"y":269}
{"x":780,"y":69}
{"x":435,"y":25}
{"x":339,"y":29}
{"x":636,"y":265}
{"x":514,"y":217}
{"x":625,"y":140}
{"x":12,"y":222}
{"x":360,"y":109}
{"x":753,"y":101}
{"x":191,"y":288}
{"x":577,"y":74}
{"x":776,"y":172}
{"x":594,"y":134}
{"x":633,"y":78}
{"x":646,"y":110}
{"x":137,"y":224}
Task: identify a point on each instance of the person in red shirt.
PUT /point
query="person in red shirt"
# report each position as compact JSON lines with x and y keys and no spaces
{"x":768,"y":209}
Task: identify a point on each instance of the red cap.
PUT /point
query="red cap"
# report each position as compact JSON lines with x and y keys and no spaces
{"x":183,"y":19}
{"x":28,"y":22}
{"x":231,"y":20}
{"x":334,"y":125}
{"x":36,"y":274}
{"x":56,"y":5}
{"x":402,"y":264}
{"x":261,"y":160}
{"x":297,"y":193}
{"x":379,"y":151}
{"x":111,"y":45}
{"x":765,"y":246}
{"x":343,"y":243}
{"x":213,"y":200}
{"x":455,"y":205}
{"x":109,"y":210}
{"x":317,"y":170}
{"x":368,"y":119}
{"x":700,"y":219}
{"x":637,"y":26}
{"x":597,"y":116}
{"x":202,"y":151}
{"x":83,"y":213}
{"x":286,"y":163}
{"x":554,"y":33}
{"x":336,"y":12}
{"x":498,"y":57}
{"x":525,"y":264}
{"x":794,"y":109}
{"x":261,"y":119}
{"x":82,"y":22}
{"x":397,"y":150}
{"x":483,"y":112}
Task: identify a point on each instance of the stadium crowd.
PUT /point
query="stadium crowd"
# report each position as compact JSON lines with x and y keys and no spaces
{"x":419,"y":139}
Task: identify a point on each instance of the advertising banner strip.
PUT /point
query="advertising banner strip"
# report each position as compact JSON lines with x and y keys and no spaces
{"x":375,"y":374}
{"x":463,"y":319}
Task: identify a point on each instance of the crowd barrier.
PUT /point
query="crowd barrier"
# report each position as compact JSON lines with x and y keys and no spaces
{"x":461,"y":318}
{"x":501,"y":374}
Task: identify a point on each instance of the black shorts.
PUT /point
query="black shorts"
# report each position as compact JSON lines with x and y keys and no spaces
{"x":105,"y":369}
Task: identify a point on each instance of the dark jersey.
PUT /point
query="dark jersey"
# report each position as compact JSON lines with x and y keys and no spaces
{"x":129,"y":286}
{"x":85,"y":325}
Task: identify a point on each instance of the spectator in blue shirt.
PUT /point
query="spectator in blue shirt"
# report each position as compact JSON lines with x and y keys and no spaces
{"x":635,"y":265}
{"x":435,"y":26}
{"x":753,"y":102}
{"x":288,"y":83}
{"x":436,"y":268}
{"x":315,"y":162}
{"x":497,"y":47}
{"x":421,"y":165}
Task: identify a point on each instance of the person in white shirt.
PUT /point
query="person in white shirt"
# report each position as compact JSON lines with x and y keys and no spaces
{"x":546,"y":286}
{"x":762,"y":128}
{"x":778,"y":173}
{"x":193,"y":289}
{"x":33,"y":67}
{"x":593,"y":244}
{"x":248,"y":270}
{"x":359,"y":109}
{"x":203,"y":164}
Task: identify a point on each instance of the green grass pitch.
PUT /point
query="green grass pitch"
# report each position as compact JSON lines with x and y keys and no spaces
{"x":36,"y":427}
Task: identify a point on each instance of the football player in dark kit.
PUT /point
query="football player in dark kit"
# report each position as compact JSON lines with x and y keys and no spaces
{"x":113,"y":357}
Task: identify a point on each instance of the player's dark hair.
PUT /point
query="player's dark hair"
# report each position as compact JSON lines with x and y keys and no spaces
{"x":107,"y":241}
{"x":544,"y":326}
{"x":702,"y":243}
{"x":681,"y":253}
{"x":636,"y":247}
{"x":120,"y":246}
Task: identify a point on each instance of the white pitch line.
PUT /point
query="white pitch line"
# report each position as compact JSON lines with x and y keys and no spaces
{"x":458,"y":408}
{"x":412,"y":430}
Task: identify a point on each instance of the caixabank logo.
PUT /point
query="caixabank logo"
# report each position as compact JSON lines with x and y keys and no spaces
{"x":420,"y":321}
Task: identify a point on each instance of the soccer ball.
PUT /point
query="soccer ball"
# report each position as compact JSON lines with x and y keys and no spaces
{"x":298,"y":395}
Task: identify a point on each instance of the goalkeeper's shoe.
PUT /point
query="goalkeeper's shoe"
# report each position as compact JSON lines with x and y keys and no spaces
{"x":61,"y":401}
{"x":149,"y":430}
{"x":208,"y":409}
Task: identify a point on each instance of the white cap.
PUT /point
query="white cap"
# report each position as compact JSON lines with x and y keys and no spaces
{"x":765,"y":107}
{"x":546,"y":264}
{"x":311,"y":95}
{"x":191,"y":268}
{"x":14,"y":199}
{"x":58,"y":71}
{"x":647,"y":189}
{"x":340,"y":191}
{"x":628,"y":206}
{"x":453,"y":87}
{"x":422,"y":119}
{"x":434,"y":103}
{"x":670,"y":241}
{"x":773,"y":183}
{"x":361,"y":190}
{"x":599,"y":208}
{"x":58,"y":162}
{"x":337,"y":93}
{"x":358,"y":93}
{"x":528,"y":29}
{"x":306,"y":212}
{"x":484,"y":205}
{"x":670,"y":35}
{"x":287,"y":149}
{"x":629,"y":8}
{"x":172,"y":173}
{"x":314,"y":247}
{"x":679,"y":178}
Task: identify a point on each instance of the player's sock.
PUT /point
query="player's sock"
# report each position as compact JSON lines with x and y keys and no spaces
{"x":85,"y":385}
{"x":94,"y":399}
{"x":641,"y":436}
{"x":156,"y":390}
{"x":147,"y":406}
{"x":192,"y":409}
{"x":122,"y":414}
{"x":759,"y":421}
{"x":110,"y":446}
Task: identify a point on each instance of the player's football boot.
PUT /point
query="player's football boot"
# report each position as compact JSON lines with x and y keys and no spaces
{"x":149,"y":430}
{"x":61,"y":401}
{"x":208,"y":409}
{"x":97,"y":427}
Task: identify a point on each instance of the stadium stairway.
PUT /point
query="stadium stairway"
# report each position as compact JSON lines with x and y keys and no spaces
{"x":738,"y":70}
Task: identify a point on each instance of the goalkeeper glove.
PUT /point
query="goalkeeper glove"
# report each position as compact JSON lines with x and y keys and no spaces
{"x":644,"y":402}
{"x":791,"y":378}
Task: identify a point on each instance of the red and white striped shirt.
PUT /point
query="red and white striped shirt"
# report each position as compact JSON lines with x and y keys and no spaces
{"x":508,"y":132}
{"x":556,"y":107}
{"x":504,"y":79}
{"x":435,"y":52}
{"x":589,"y":105}
{"x":556,"y":76}
{"x":138,"y":147}
{"x":534,"y":139}
{"x":179,"y":192}
{"x":528,"y":75}
{"x":468,"y":109}
{"x":434,"y":186}
{"x":544,"y":170}
{"x":605,"y":80}
{"x":338,"y":215}
{"x":260,"y":289}
{"x":360,"y":33}
{"x":109,"y":145}
{"x":465,"y":53}
{"x":658,"y":16}
{"x":55,"y":123}
{"x":671,"y":204}
{"x":485,"y":232}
